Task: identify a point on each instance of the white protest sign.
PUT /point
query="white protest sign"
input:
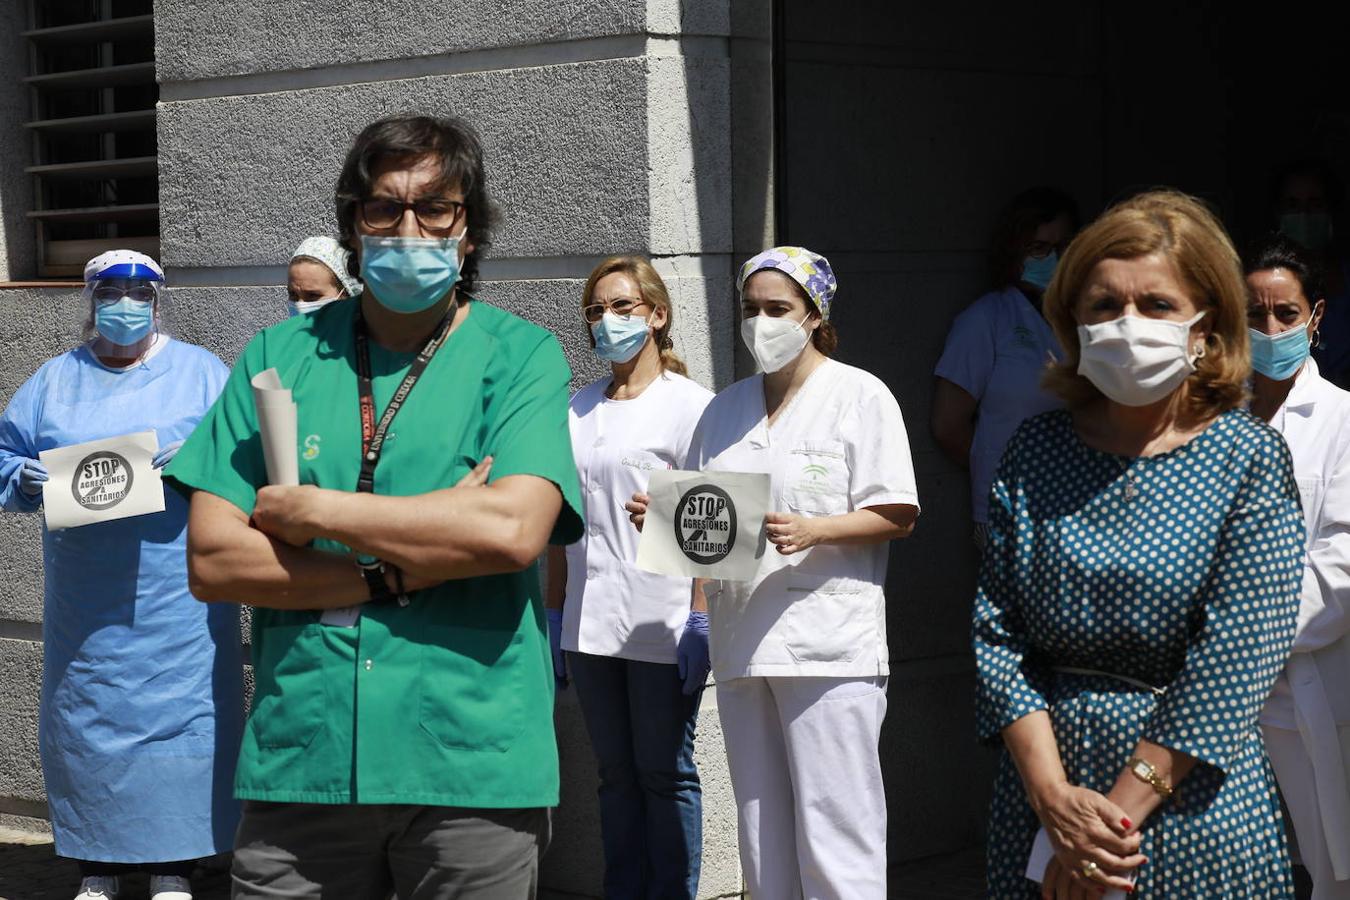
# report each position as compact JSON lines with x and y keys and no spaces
{"x":101,"y":481}
{"x":704,"y":524}
{"x":277,"y":426}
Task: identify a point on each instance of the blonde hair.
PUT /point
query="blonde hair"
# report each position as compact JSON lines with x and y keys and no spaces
{"x":1193,"y":241}
{"x":653,"y":290}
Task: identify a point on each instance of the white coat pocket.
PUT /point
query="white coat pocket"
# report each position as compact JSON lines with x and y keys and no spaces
{"x":816,"y":481}
{"x":826,"y":619}
{"x":1309,"y":493}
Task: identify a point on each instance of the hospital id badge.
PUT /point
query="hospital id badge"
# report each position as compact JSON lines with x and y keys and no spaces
{"x":341,"y":616}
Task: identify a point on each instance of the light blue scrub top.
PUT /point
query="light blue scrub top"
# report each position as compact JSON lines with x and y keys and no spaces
{"x":141,"y":685}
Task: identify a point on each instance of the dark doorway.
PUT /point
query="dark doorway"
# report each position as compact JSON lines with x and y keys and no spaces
{"x":903,"y":128}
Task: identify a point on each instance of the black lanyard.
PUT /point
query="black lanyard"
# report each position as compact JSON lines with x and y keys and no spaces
{"x":372,"y":435}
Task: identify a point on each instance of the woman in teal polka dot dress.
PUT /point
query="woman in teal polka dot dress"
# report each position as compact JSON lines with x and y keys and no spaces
{"x":1139,"y":592}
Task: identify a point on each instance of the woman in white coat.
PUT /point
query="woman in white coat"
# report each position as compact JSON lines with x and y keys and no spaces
{"x":636,"y":651}
{"x":799,"y":651}
{"x":1306,"y":721}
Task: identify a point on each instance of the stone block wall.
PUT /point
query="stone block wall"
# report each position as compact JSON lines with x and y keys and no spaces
{"x":607,"y":128}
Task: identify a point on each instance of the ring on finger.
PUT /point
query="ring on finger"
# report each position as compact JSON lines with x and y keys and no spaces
{"x":1090,"y":869}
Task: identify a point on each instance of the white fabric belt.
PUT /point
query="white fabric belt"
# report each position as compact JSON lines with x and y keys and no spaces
{"x":1097,"y":673}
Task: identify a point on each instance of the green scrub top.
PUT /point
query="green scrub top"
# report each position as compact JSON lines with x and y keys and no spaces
{"x":449,"y":700}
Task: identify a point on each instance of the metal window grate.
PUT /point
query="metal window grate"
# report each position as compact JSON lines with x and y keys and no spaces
{"x":92,"y":96}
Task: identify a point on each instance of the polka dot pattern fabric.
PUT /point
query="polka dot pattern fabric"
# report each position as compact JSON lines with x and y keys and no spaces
{"x":1180,"y":571}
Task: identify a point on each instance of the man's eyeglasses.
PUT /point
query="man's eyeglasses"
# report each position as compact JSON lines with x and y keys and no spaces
{"x":433,"y":213}
{"x":112,"y":293}
{"x":623,"y":307}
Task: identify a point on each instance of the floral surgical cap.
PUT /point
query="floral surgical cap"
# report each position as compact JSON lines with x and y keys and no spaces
{"x":811,"y":270}
{"x":333,"y":255}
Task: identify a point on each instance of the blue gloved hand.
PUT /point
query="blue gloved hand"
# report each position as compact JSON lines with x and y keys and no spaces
{"x":692,"y":654}
{"x":555,"y":619}
{"x":165,"y":454}
{"x":31,"y":478}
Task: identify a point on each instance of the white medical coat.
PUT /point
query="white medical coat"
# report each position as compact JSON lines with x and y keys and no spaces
{"x":1312,"y":694}
{"x":839,"y":445}
{"x":613,"y":608}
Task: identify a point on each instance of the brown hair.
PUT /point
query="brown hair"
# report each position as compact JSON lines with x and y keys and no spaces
{"x":1184,"y":231}
{"x":825,"y":337}
{"x":653,"y":290}
{"x":458,"y":152}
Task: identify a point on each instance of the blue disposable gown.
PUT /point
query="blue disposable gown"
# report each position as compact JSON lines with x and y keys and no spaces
{"x":141,"y":685}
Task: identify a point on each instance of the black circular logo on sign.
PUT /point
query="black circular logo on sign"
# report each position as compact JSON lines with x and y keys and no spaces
{"x":705,"y":524}
{"x":102,"y":480}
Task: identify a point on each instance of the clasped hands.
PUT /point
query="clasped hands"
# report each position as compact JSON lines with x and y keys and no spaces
{"x":294,"y":514}
{"x":1085,"y":827}
{"x":789,"y":533}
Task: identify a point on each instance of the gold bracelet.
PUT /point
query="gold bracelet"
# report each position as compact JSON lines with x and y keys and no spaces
{"x":1146,"y":772}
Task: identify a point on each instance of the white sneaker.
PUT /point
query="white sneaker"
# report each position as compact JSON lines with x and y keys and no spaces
{"x":170,"y":887}
{"x":99,"y":887}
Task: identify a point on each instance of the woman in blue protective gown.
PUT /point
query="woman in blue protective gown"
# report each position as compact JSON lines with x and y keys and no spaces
{"x":142,"y":686}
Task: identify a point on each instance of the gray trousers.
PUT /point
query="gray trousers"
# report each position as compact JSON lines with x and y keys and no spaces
{"x":314,"y":851}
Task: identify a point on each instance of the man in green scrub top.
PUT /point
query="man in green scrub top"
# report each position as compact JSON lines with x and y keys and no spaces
{"x":401,"y":736}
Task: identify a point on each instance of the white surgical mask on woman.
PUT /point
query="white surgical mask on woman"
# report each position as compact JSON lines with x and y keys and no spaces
{"x":305,"y":307}
{"x":1136,"y":361}
{"x":774,"y":342}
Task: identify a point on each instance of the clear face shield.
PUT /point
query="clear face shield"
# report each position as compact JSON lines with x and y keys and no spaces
{"x":124,"y":311}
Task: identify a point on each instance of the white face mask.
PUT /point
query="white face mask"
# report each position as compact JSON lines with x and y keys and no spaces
{"x":304,"y":307}
{"x":1136,"y":361}
{"x":775,"y":342}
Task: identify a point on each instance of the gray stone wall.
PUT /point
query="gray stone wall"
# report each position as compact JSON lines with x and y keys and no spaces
{"x":601,"y":137}
{"x":607,"y":127}
{"x":39,"y":324}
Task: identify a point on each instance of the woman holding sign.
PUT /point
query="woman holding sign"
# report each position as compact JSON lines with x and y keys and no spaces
{"x":799,"y":651}
{"x":636,"y":651}
{"x":142,"y":692}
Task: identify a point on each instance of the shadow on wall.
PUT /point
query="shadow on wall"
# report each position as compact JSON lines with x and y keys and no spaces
{"x":710,"y":141}
{"x":753,"y":167}
{"x":903,"y":128}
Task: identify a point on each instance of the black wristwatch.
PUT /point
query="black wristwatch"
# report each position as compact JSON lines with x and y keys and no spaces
{"x":372,"y":570}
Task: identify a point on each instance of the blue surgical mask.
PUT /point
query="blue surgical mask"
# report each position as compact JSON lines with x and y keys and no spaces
{"x":409,"y":274}
{"x":1310,"y":230}
{"x":1279,"y":356}
{"x":1039,"y":270}
{"x":125,"y":322}
{"x":618,"y":339}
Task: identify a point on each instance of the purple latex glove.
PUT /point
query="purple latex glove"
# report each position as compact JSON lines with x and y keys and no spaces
{"x":692,"y":654}
{"x":165,"y":455}
{"x":31,"y":478}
